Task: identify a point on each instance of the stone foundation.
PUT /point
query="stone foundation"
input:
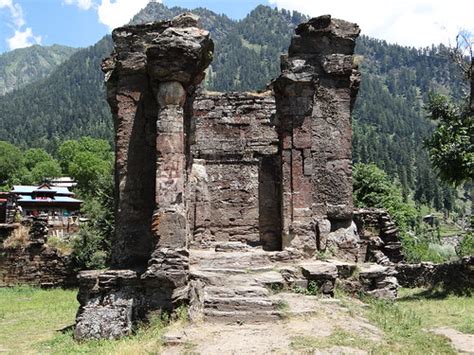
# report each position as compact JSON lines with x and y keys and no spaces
{"x":35,"y":263}
{"x":457,"y":276}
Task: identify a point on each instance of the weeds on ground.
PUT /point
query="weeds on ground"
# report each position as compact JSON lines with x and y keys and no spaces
{"x":146,"y":339}
{"x":439,"y":308}
{"x":311,"y":290}
{"x":339,"y":337}
{"x":403,"y":328}
{"x":19,"y":238}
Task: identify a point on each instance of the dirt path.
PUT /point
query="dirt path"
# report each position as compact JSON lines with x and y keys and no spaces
{"x":291,"y":335}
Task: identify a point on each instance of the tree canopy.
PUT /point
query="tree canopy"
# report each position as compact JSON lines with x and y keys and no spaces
{"x":451,"y":147}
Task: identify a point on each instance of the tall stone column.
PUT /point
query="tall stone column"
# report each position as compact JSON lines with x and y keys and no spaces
{"x":314,"y":97}
{"x":151,"y":77}
{"x":176,"y":64}
{"x":169,"y":260}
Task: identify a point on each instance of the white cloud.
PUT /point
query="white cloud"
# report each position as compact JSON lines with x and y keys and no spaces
{"x":16,"y":12}
{"x":112,"y":13}
{"x":416,"y":23}
{"x":22,"y":37}
{"x":81,"y":4}
{"x":117,"y":13}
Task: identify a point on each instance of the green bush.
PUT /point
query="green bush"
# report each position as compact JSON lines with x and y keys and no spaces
{"x":373,"y":188}
{"x":466,"y":247}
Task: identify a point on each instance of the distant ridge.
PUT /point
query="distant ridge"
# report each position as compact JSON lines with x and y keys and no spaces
{"x":26,"y":65}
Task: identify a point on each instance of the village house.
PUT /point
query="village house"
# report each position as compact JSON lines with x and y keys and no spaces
{"x":45,"y":199}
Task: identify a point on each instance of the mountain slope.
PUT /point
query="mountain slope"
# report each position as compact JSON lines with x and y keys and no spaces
{"x":389,"y":121}
{"x":69,"y":103}
{"x":23,"y":66}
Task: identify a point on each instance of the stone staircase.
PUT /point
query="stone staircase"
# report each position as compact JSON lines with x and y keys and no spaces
{"x":237,"y":286}
{"x":256,"y":286}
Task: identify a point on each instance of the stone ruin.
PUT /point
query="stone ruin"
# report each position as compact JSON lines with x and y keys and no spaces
{"x":223,"y":197}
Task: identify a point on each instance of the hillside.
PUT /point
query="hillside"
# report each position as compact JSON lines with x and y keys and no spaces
{"x":26,"y":65}
{"x":389,"y":121}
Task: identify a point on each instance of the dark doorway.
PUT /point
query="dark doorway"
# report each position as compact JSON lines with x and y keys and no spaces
{"x":269,"y":205}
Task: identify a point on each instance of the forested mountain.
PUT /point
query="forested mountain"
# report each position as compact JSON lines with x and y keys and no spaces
{"x":389,"y":121}
{"x":67,"y":104}
{"x":25,"y":65}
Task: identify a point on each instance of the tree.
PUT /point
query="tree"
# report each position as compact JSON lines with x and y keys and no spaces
{"x":373,"y":188}
{"x":11,"y":164}
{"x":91,"y":249}
{"x":33,"y":156}
{"x":86,"y":160}
{"x":39,"y":165}
{"x":463,"y":55}
{"x":451,"y":147}
{"x":45,"y":169}
{"x":87,"y":168}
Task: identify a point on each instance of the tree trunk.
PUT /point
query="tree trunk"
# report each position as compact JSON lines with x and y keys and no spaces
{"x":472,"y":86}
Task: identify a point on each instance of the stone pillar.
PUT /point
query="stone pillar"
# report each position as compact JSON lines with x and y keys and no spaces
{"x":169,"y":216}
{"x":314,"y":97}
{"x":151,"y":78}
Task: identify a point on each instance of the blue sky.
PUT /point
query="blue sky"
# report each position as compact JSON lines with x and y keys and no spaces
{"x":80,"y":23}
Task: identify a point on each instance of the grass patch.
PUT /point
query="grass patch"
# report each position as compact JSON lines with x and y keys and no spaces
{"x":440,"y":309}
{"x":404,"y":332}
{"x":30,"y":315}
{"x":34,"y":320}
{"x":338,"y":337}
{"x":64,"y":246}
{"x":146,"y":340}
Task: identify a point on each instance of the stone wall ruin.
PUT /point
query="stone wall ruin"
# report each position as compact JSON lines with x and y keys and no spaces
{"x":198,"y":173}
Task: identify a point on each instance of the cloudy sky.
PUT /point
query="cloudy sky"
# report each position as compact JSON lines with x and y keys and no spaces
{"x":80,"y":23}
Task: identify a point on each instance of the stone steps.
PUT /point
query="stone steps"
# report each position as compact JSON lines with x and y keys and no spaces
{"x":247,"y":286}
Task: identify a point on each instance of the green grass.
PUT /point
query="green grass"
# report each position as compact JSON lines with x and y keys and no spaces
{"x":437,"y":309}
{"x":403,"y":329}
{"x":36,"y":321}
{"x":146,"y":340}
{"x":407,"y":321}
{"x":447,"y":230}
{"x":29,"y":316}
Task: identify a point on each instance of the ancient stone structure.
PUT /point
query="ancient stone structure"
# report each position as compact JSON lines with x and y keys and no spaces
{"x":457,"y":276}
{"x":314,"y":97}
{"x":35,"y":263}
{"x":379,"y":236}
{"x":221,"y":198}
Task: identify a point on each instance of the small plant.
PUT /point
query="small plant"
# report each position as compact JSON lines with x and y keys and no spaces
{"x":181,"y":314}
{"x":284,"y":309}
{"x":283,"y":306}
{"x":275,"y":287}
{"x":61,"y":244}
{"x":311,"y":290}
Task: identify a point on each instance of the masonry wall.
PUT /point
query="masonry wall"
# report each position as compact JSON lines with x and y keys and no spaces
{"x":36,"y":265}
{"x":234,"y":149}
